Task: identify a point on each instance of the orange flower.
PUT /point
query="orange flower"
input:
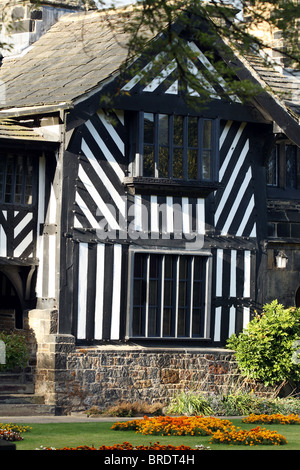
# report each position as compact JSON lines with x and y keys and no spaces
{"x":174,"y":426}
{"x":273,"y":419}
{"x":255,"y":436}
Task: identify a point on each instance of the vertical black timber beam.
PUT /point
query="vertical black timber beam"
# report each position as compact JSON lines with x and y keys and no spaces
{"x":68,"y":247}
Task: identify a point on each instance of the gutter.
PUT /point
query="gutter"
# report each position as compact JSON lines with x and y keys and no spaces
{"x":34,"y":110}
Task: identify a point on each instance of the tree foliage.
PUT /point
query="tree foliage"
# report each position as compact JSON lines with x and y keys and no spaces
{"x":267,"y":350}
{"x":219,"y":30}
{"x":222,"y":28}
{"x":153,"y":16}
{"x":17,"y":352}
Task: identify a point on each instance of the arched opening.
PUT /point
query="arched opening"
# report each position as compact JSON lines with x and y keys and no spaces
{"x":11,"y":311}
{"x":297,"y":298}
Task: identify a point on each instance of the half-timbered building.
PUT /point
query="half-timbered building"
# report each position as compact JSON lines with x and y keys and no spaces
{"x":150,"y":220}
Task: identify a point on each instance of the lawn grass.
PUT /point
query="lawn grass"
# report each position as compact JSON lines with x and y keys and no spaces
{"x":60,"y":435}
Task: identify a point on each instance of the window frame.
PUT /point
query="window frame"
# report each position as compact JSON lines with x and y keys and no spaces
{"x":207,"y":278}
{"x":136,"y":166}
{"x":34,"y":180}
{"x":273,"y":157}
{"x":280,"y":149}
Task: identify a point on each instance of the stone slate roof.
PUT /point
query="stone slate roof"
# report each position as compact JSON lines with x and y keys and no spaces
{"x":73,"y":58}
{"x":81,"y":52}
{"x":285,"y":84}
{"x":279,"y":99}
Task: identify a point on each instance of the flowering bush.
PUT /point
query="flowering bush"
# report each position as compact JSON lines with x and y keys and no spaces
{"x":11,"y":432}
{"x":10,"y":435}
{"x":14,"y":427}
{"x":272,"y":419}
{"x":174,"y":426}
{"x":253,"y":437}
{"x":131,"y":425}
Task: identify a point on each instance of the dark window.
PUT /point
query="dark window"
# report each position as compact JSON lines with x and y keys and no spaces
{"x":17,"y":179}
{"x":295,"y":230}
{"x":168,"y":296}
{"x":178,"y":147}
{"x":291,"y":166}
{"x":272,"y":168}
{"x":283,"y":166}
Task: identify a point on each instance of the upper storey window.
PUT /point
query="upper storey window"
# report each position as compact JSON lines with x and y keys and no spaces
{"x":17,"y":179}
{"x":178,"y":147}
{"x":283,"y":166}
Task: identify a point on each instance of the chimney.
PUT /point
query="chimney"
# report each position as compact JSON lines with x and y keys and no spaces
{"x":276,"y":46}
{"x":25,"y":21}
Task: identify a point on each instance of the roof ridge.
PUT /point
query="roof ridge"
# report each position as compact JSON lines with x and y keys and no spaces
{"x":107,"y":12}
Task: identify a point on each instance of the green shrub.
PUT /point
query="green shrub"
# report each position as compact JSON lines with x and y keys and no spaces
{"x":189,"y":403}
{"x":266,"y":349}
{"x":239,"y":404}
{"x":17,"y":353}
{"x":236,"y":403}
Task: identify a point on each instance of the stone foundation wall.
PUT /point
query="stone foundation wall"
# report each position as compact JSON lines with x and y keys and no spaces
{"x":105,"y":376}
{"x":78,"y":378}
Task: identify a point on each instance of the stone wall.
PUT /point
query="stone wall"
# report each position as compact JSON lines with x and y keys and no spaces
{"x":78,"y":378}
{"x":107,"y":375}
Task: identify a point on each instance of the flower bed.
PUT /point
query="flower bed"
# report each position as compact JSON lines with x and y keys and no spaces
{"x":256,"y":436}
{"x":11,"y":432}
{"x":10,"y":435}
{"x":174,"y":426}
{"x":221,"y":430}
{"x":272,"y":419}
{"x":128,"y":446}
{"x":15,"y":427}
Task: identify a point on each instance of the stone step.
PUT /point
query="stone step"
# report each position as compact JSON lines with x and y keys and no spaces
{"x":10,"y":377}
{"x":22,"y":399}
{"x":14,"y":410}
{"x":16,"y":382}
{"x":14,"y":387}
